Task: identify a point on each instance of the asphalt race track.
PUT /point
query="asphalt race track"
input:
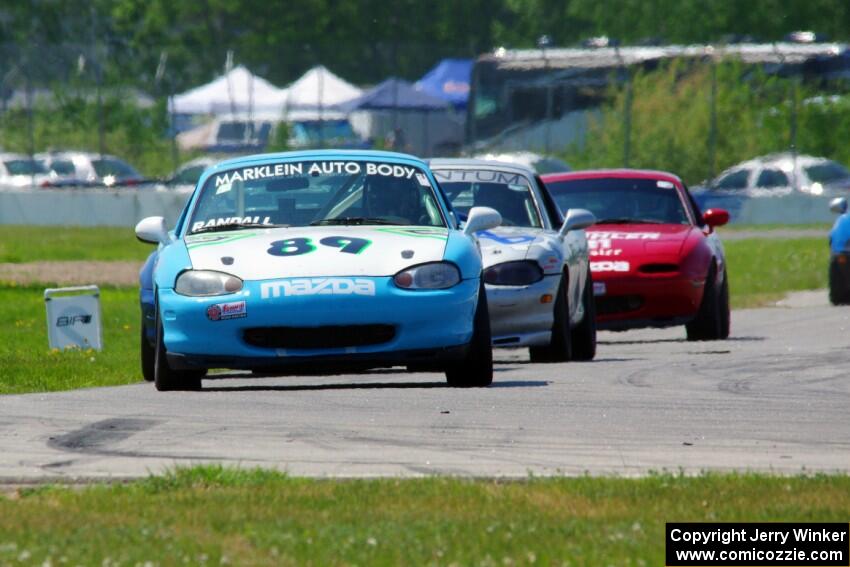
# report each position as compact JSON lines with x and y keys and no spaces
{"x":775,"y":397}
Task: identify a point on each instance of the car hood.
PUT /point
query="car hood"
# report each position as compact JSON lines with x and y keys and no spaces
{"x":509,"y":244}
{"x":319,"y":251}
{"x":624,"y":241}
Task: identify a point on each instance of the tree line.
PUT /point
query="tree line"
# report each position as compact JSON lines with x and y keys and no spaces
{"x":160,"y":45}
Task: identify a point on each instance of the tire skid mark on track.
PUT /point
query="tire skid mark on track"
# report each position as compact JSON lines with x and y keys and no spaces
{"x":636,"y":379}
{"x":736,"y":386}
{"x":97,"y":438}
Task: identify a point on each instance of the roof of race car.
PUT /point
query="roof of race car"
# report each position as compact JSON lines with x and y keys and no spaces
{"x":616,"y":173}
{"x":437,"y":163}
{"x":310,"y":154}
{"x":263,"y":159}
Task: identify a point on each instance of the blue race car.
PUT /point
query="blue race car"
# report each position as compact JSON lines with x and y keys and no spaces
{"x":839,"y":254}
{"x":319,"y":260}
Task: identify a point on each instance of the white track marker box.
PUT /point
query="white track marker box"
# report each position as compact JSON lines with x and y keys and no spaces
{"x":73,"y":317}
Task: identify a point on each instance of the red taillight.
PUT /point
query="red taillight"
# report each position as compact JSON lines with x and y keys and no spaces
{"x":45,"y":184}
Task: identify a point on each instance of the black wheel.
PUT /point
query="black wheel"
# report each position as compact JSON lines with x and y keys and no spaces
{"x":708,"y":323}
{"x":165,"y":378}
{"x":476,"y":369}
{"x":584,"y":336}
{"x":559,"y":348}
{"x":839,"y":290}
{"x":148,"y":354}
{"x":725,"y":313}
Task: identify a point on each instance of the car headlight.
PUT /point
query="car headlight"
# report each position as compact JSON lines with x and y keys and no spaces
{"x":199,"y":283}
{"x":524,"y":272}
{"x":436,"y":275}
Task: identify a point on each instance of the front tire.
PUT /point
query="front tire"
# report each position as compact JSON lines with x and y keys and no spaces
{"x":476,"y":369}
{"x":725,"y":312}
{"x":559,"y":348}
{"x":839,"y":290}
{"x":148,"y":355}
{"x":584,"y":336}
{"x":708,"y":325}
{"x":166,"y":378}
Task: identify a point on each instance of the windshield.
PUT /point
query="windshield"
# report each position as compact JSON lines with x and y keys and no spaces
{"x":621,"y":200}
{"x":827,"y":172}
{"x":24,"y":167}
{"x":301,"y":193}
{"x":507,"y":192}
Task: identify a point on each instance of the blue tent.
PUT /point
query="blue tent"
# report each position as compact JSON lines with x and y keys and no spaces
{"x":395,"y":94}
{"x":449,"y":80}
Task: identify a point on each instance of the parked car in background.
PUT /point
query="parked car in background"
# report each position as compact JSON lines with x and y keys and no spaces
{"x":839,"y":254}
{"x":69,"y":168}
{"x":781,"y":174}
{"x":330,"y":133}
{"x":536,"y":266}
{"x":540,"y":164}
{"x":656,"y":261}
{"x":19,"y":171}
{"x":186,"y":176}
{"x":241,"y":134}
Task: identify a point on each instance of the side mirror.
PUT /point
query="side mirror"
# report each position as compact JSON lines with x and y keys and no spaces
{"x":715,"y":217}
{"x":152,"y":230}
{"x":838,"y":205}
{"x":576,"y":219}
{"x":481,"y":218}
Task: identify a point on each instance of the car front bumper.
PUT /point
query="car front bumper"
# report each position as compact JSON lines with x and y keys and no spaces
{"x":634,"y":302}
{"x":433,"y":321}
{"x":518,"y":315}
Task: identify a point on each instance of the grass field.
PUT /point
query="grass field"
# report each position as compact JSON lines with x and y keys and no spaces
{"x":824,"y":227}
{"x":36,"y":243}
{"x":762,"y":271}
{"x":218,"y":516}
{"x":28,"y":365}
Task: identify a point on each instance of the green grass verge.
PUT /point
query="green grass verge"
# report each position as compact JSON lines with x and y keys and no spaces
{"x":213,"y":515}
{"x":37,"y":243}
{"x":769,"y":227}
{"x":28,"y":365}
{"x":761,"y":271}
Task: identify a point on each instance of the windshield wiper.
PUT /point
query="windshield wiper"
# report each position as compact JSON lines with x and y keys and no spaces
{"x":628,"y":221}
{"x":353,"y":220}
{"x":235,"y":226}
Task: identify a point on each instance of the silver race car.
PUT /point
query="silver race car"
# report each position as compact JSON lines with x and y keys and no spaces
{"x":536,"y":268}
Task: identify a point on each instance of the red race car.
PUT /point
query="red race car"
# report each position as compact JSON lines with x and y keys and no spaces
{"x":656,"y":260}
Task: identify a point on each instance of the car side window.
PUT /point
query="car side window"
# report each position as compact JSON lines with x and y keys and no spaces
{"x":110,"y":166}
{"x":769,"y":178}
{"x":63,"y":167}
{"x":734,"y":180}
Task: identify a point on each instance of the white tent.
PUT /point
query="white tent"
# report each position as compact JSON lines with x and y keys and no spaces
{"x":319,"y":88}
{"x":236,"y":91}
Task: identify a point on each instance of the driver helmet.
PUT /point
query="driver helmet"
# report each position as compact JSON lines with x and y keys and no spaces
{"x":386,"y":196}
